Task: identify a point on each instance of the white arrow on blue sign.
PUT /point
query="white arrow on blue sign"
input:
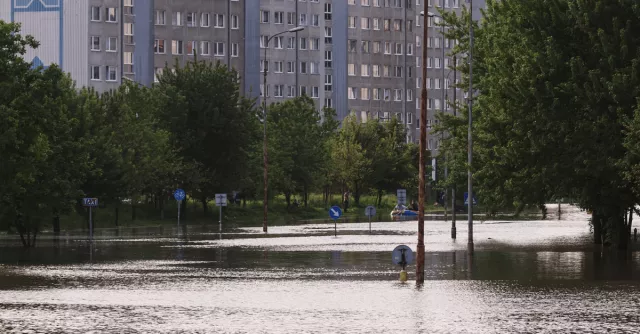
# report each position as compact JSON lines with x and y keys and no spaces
{"x":179,"y":195}
{"x":335,"y":212}
{"x":370,"y":211}
{"x":466,"y":199}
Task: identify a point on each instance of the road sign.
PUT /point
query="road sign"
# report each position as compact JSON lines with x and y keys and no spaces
{"x":179,"y":194}
{"x":370,"y":211}
{"x":397,"y":255}
{"x":221,"y":199}
{"x":466,"y":199}
{"x":91,"y":202}
{"x":335,"y":212}
{"x":402,"y":196}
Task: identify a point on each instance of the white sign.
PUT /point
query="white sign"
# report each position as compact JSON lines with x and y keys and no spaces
{"x":370,"y":211}
{"x":402,"y":196}
{"x":221,"y":199}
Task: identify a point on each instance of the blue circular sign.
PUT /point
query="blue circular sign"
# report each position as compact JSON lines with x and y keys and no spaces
{"x":179,"y":195}
{"x":397,"y":255}
{"x":335,"y":212}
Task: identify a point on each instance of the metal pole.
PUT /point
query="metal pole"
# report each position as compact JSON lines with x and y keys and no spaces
{"x":264,"y":139}
{"x":335,"y":227}
{"x":444,"y":107}
{"x":369,"y":224}
{"x":423,"y":149}
{"x":469,"y":136}
{"x":453,"y":189}
{"x":220,"y":221}
{"x":91,"y":223}
{"x":179,"y":203}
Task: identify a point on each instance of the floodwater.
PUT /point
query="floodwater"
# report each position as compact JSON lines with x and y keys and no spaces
{"x":525,"y":277}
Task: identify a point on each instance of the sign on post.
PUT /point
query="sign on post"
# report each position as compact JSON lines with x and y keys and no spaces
{"x":221,"y":200}
{"x":370,"y":211}
{"x":402,"y":196}
{"x":335,"y":213}
{"x":91,"y":203}
{"x":402,"y":255}
{"x":179,"y":195}
{"x":466,"y":199}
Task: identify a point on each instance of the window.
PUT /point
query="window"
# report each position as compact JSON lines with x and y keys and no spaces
{"x":397,"y":25}
{"x":387,"y":94}
{"x":376,"y":71}
{"x":291,"y":91}
{"x":376,"y":94}
{"x":315,"y":20}
{"x":234,"y":49}
{"x":263,"y":41}
{"x":314,"y":68}
{"x":95,"y":72}
{"x":352,"y":22}
{"x":191,"y":19}
{"x":158,"y":46}
{"x":328,"y":82}
{"x":410,"y":49}
{"x":387,"y":48}
{"x":398,"y":48}
{"x":112,"y":44}
{"x":205,"y":20}
{"x":278,"y":90}
{"x":303,"y":67}
{"x":365,"y":23}
{"x":364,"y":93}
{"x":218,"y":49}
{"x":111,"y":73}
{"x":327,"y":11}
{"x":352,"y":45}
{"x":95,"y":16}
{"x":177,"y":19}
{"x":177,"y":47}
{"x":262,"y":90}
{"x":277,"y":42}
{"x":205,"y":48}
{"x":397,"y":71}
{"x":315,"y":44}
{"x":303,"y":90}
{"x":219,"y":20}
{"x":352,"y":93}
{"x":397,"y":96}
{"x":161,"y":17}
{"x":95,"y":43}
{"x":328,"y":103}
{"x":364,"y":70}
{"x":278,"y":17}
{"x":376,"y":47}
{"x":264,"y":16}
{"x":409,"y":118}
{"x":291,"y":67}
{"x":365,"y":47}
{"x":303,"y":19}
{"x":315,"y":92}
{"x":351,"y":69}
{"x":235,"y":23}
{"x":303,"y":43}
{"x":409,"y":95}
{"x":112,"y":15}
{"x":291,"y":18}
{"x":191,"y":48}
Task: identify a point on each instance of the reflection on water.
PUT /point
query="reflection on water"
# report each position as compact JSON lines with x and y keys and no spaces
{"x":524,"y":277}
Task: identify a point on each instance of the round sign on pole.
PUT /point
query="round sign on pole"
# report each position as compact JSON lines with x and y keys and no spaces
{"x":396,"y":255}
{"x":335,"y":212}
{"x":370,"y":211}
{"x":179,"y":195}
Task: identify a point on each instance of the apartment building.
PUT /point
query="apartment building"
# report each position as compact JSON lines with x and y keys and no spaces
{"x":211,"y":30}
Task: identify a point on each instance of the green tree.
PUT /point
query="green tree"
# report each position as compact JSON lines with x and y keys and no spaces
{"x":297,"y":137}
{"x":212,"y":125}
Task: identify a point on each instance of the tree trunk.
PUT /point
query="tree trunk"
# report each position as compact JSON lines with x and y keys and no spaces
{"x":356,"y":195}
{"x":183,"y":209}
{"x":597,"y":228}
{"x":287,"y":197}
{"x":133,"y":209}
{"x":161,"y":199}
{"x":379,"y":198}
{"x":244,"y":202}
{"x":117,"y":212}
{"x":35,"y":232}
{"x":56,"y":222}
{"x":306,"y":196}
{"x":203,"y":200}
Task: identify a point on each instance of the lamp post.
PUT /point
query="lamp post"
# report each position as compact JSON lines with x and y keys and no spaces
{"x":470,"y":139}
{"x":423,"y":149}
{"x":264,"y":120}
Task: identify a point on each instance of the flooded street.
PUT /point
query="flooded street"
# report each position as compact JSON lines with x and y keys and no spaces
{"x":527,"y":276}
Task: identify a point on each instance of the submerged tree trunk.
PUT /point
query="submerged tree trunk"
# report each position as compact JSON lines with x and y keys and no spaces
{"x":287,"y":198}
{"x":56,"y":222}
{"x":379,"y":198}
{"x":117,"y":213}
{"x":306,"y":196}
{"x":203,"y":200}
{"x":133,"y":209}
{"x":161,"y":199}
{"x":597,"y":228}
{"x":183,"y":210}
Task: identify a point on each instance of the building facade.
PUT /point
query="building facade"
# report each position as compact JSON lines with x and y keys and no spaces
{"x":360,"y":57}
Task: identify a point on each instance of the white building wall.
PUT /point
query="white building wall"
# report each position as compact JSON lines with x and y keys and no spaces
{"x":5,"y":10}
{"x":76,"y":40}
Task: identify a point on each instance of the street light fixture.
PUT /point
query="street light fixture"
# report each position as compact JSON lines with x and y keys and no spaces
{"x":423,"y":149}
{"x":264,"y":120}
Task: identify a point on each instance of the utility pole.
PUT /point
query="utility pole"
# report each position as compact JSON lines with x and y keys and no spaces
{"x":453,"y":190}
{"x":469,"y":134}
{"x":423,"y":150}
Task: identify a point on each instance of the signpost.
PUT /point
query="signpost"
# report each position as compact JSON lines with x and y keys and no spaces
{"x":370,"y":211}
{"x":466,"y":199}
{"x":221,"y":200}
{"x":402,"y":255}
{"x":179,"y":195}
{"x":91,"y":203}
{"x":402,"y":196}
{"x":335,"y":213}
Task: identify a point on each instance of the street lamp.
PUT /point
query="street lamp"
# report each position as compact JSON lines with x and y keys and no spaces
{"x":444,"y":105}
{"x":423,"y":148}
{"x":264,"y":120}
{"x":470,"y":139}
